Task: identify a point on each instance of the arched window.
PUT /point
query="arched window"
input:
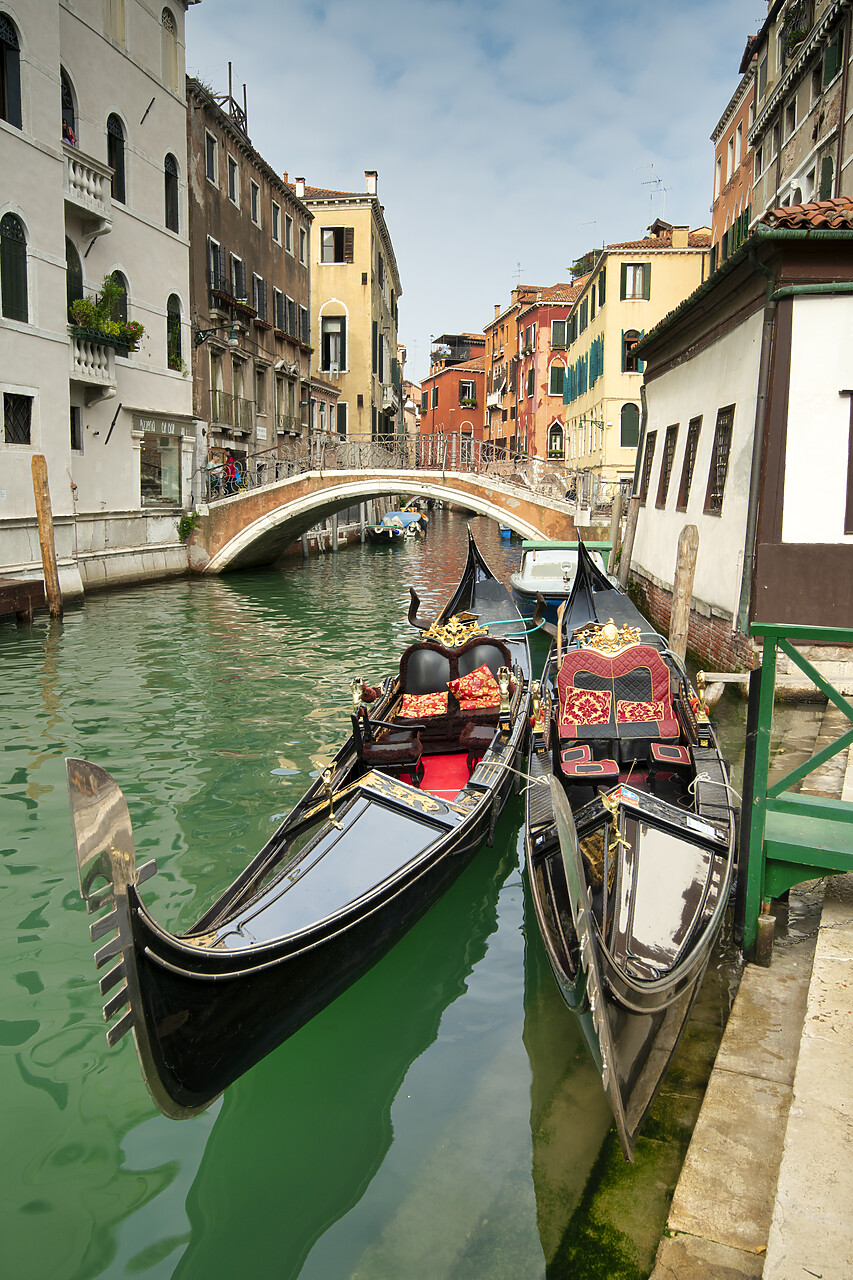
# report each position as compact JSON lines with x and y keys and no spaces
{"x":73,"y":274}
{"x":119,"y":311}
{"x":10,"y":73}
{"x":170,"y":169}
{"x":555,"y":440}
{"x":115,"y":156}
{"x":629,"y":427}
{"x":13,"y":268}
{"x":169,"y":50}
{"x":630,"y":363}
{"x":174,"y":355}
{"x":69,"y":122}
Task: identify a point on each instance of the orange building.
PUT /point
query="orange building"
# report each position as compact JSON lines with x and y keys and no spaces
{"x":733,"y":164}
{"x":542,"y":361}
{"x":452,"y":403}
{"x":501,"y":369}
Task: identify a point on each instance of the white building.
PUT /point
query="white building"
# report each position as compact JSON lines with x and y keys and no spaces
{"x":93,"y":157}
{"x":748,"y":437}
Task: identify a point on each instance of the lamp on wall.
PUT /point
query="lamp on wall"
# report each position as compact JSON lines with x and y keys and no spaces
{"x":201,"y":335}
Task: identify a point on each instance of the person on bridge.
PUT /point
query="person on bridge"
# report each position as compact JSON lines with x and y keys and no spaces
{"x":230,"y":474}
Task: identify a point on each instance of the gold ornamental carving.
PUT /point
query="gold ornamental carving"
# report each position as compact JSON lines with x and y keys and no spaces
{"x":455,"y":631}
{"x":608,"y":639}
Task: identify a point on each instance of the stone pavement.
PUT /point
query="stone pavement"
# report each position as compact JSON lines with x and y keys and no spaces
{"x":767,"y":1185}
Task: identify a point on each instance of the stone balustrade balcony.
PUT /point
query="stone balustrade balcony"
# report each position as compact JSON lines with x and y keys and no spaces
{"x":88,"y":189}
{"x":94,"y":364}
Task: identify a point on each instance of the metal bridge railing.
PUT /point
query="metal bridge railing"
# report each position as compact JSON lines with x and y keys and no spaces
{"x":543,"y":477}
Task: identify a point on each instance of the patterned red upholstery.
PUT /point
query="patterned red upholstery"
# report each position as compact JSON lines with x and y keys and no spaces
{"x":592,"y":770}
{"x":478,"y":689}
{"x":670,"y":753}
{"x":635,"y":712}
{"x":637,"y":675}
{"x":573,"y":755}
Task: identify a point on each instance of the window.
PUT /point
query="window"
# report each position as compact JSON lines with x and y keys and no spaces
{"x":278,"y":314}
{"x":238,"y":278}
{"x":76,"y":427}
{"x":738,"y":144}
{"x":260,"y":391}
{"x":291,"y":325}
{"x":629,"y":426}
{"x":669,"y":442}
{"x":636,"y":280}
{"x":304,"y":327}
{"x":555,"y":440}
{"x":115,"y":157}
{"x":558,"y":333}
{"x":17,"y":418}
{"x":557,"y":378}
{"x":259,"y":296}
{"x":210,"y":155}
{"x":602,"y":279}
{"x":170,"y":176}
{"x":759,"y":168}
{"x":254,"y":202}
{"x":689,"y":463}
{"x":832,"y":58}
{"x":276,"y":222}
{"x":718,"y":176}
{"x":13,"y":268}
{"x":719,"y":461}
{"x":467,"y":394}
{"x":584,"y":315}
{"x":762,"y":77}
{"x":288,"y":233}
{"x":114,"y":20}
{"x":333,"y":347}
{"x":233,"y":181}
{"x":530,"y":382}
{"x":336,"y":244}
{"x":791,"y":117}
{"x":630,"y":361}
{"x":826,"y":174}
{"x":435,"y":397}
{"x":342,"y":418}
{"x":73,"y":274}
{"x":218,"y":274}
{"x":69,"y":118}
{"x":119,"y":309}
{"x":160,"y":470}
{"x":424,"y":401}
{"x":648,"y":458}
{"x":174,"y":355}
{"x":730,"y":158}
{"x":169,"y":50}
{"x":303,"y":249}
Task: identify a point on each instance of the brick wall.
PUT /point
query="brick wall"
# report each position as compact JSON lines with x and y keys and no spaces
{"x":709,"y":634}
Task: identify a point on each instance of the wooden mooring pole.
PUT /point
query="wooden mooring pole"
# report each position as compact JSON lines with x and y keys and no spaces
{"x":44,"y":515}
{"x":615,"y":530}
{"x":628,"y":543}
{"x":682,"y":589}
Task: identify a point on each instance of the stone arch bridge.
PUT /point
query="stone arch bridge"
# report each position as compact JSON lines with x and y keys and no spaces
{"x":256,"y":526}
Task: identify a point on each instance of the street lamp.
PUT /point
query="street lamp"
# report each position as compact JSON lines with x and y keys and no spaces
{"x":201,"y":335}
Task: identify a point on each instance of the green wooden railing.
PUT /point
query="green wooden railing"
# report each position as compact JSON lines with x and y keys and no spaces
{"x":787,"y":836}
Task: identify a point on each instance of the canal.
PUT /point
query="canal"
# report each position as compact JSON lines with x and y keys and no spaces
{"x":441,"y":1120}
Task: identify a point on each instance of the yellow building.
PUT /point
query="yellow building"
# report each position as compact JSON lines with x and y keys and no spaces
{"x":354,"y":291}
{"x":631,"y":287}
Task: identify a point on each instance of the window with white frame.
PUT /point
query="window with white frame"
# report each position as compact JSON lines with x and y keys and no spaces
{"x":556,"y":378}
{"x":636,"y":280}
{"x":288,"y":233}
{"x":303,"y":246}
{"x":238,"y":277}
{"x":336,"y":244}
{"x":333,"y":344}
{"x":467,"y":394}
{"x":17,"y":418}
{"x":278,"y":309}
{"x":259,"y":296}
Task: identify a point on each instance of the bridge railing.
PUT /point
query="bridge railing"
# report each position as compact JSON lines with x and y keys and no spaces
{"x":545,"y":477}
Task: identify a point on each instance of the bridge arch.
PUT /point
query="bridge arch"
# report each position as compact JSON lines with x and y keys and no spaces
{"x":255,"y":528}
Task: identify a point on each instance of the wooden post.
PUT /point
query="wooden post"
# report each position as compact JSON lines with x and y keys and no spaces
{"x":682,"y":590}
{"x":46,"y":541}
{"x":615,"y":530}
{"x":628,"y":544}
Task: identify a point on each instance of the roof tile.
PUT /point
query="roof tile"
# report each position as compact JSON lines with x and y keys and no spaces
{"x":834,"y":214}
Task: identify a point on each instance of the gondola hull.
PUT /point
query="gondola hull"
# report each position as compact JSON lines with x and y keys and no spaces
{"x":360,"y":860}
{"x":630,"y":869}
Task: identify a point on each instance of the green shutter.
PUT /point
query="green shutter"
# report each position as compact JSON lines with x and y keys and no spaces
{"x":623,"y":280}
{"x":13,"y":268}
{"x":342,"y":419}
{"x":375,"y":340}
{"x":647,"y":280}
{"x":601,"y":283}
{"x":826,"y":167}
{"x":641,"y":364}
{"x":622,"y":347}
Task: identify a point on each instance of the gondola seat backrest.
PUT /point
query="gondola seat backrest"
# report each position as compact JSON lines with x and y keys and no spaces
{"x":428,"y":667}
{"x":625,"y":696}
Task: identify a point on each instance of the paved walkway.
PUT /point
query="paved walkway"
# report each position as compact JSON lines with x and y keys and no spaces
{"x":767,"y":1185}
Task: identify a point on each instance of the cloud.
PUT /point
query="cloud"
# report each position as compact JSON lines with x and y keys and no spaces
{"x":507,"y":138}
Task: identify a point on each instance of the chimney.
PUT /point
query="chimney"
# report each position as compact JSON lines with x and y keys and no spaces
{"x":286,"y":179}
{"x":679,"y":237}
{"x":370,"y":181}
{"x":497,"y":309}
{"x":300,"y":188}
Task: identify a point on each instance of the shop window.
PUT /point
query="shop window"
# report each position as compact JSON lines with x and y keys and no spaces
{"x":160,"y":470}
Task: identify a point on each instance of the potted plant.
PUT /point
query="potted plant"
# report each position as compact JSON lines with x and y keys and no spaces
{"x":93,"y":318}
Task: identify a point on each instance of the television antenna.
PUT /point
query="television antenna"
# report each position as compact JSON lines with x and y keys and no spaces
{"x":658,"y":188}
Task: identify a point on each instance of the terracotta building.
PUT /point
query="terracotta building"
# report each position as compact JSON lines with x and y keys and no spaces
{"x":452,"y":404}
{"x":250,"y":282}
{"x":733,"y":158}
{"x":542,"y":364}
{"x":501,"y":369}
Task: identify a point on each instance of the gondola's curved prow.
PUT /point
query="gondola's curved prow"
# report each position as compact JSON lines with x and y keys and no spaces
{"x":106,"y":867}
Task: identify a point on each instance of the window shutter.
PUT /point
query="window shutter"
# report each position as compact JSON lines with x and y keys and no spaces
{"x":342,"y":419}
{"x":349,"y":239}
{"x":622,"y":345}
{"x":623,"y":280}
{"x":601,"y":286}
{"x":647,"y":280}
{"x":826,"y":178}
{"x":641,"y":364}
{"x":343,"y":342}
{"x":374,"y":340}
{"x":13,"y":268}
{"x":222,"y":268}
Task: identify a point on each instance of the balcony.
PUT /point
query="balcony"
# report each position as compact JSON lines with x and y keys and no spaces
{"x":287,"y":425}
{"x":88,"y":191}
{"x":227,"y":410}
{"x":94,"y":364}
{"x":390,"y":397}
{"x":493,"y":399}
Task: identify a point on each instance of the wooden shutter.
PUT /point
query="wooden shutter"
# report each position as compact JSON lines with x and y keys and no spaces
{"x":826,"y":167}
{"x":349,"y":241}
{"x":647,"y":280}
{"x":623,"y":280}
{"x":342,"y":418}
{"x":375,"y":342}
{"x":13,"y":268}
{"x":601,"y":287}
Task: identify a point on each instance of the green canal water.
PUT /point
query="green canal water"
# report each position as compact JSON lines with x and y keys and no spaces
{"x":441,"y":1120}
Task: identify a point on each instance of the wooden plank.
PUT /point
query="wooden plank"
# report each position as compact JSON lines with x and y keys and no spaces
{"x":21,"y":596}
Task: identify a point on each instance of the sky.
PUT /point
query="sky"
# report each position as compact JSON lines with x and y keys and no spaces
{"x":510,"y":136}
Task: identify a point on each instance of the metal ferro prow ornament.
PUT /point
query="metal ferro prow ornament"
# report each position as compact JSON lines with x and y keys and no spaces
{"x":504,"y":678}
{"x":536,"y":700}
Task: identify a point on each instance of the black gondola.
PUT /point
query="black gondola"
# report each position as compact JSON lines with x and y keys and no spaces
{"x":376,"y":839}
{"x":630,"y":837}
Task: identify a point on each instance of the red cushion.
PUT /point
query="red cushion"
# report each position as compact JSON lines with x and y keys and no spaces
{"x":639,"y":712}
{"x":478,"y":689}
{"x":592,"y":769}
{"x":573,"y":755}
{"x":585,"y":706}
{"x":670,"y":753}
{"x":417,"y":705}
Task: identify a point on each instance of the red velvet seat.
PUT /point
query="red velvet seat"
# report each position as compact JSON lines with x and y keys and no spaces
{"x":627,"y":696}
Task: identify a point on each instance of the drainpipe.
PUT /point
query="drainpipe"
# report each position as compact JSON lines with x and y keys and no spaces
{"x":770,"y":306}
{"x":843,"y":110}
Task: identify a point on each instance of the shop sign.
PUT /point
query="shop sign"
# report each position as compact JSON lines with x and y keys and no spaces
{"x":155,"y":425}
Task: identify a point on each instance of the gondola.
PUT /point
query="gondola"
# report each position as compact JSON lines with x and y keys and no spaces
{"x":630,"y":837}
{"x":407,"y":801}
